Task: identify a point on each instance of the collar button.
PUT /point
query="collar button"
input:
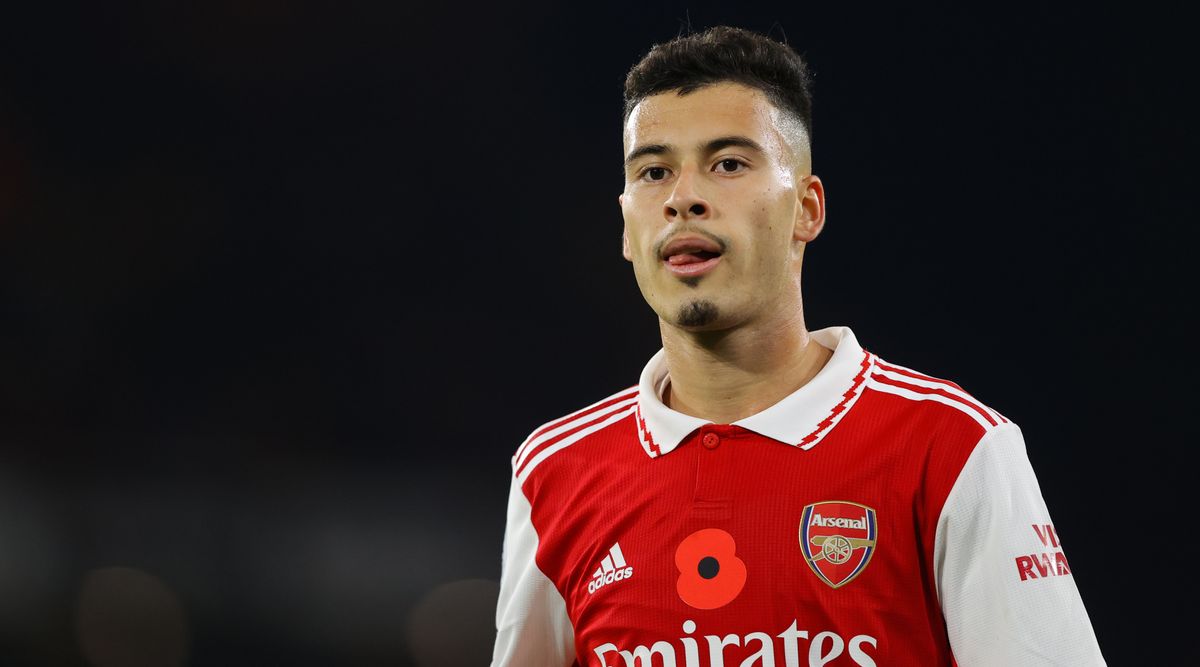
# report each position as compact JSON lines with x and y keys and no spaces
{"x":710,"y":440}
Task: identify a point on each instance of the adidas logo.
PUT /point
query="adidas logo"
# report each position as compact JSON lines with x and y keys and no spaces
{"x":612,"y":568}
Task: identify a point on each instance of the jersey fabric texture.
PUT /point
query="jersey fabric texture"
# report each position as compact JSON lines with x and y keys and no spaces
{"x":876,"y":516}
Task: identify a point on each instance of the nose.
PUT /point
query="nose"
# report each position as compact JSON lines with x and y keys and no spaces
{"x":685,"y":203}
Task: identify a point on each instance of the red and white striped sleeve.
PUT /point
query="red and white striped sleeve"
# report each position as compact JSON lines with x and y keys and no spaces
{"x":1005,"y":587}
{"x":532,"y":627}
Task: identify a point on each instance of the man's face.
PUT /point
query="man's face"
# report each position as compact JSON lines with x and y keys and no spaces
{"x":718,"y":205}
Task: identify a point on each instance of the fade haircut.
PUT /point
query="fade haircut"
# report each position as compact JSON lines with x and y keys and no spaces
{"x":724,"y":54}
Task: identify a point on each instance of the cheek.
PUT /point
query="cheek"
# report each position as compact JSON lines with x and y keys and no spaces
{"x":640,"y":230}
{"x":637,"y":244}
{"x":770,"y":243}
{"x":770,"y":225}
{"x":640,"y":252}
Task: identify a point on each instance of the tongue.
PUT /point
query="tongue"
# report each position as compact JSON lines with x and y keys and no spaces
{"x":685,"y":258}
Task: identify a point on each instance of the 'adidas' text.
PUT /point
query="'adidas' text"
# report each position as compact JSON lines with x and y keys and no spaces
{"x":612,"y":568}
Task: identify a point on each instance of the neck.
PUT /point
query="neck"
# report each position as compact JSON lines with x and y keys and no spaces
{"x":724,"y":376}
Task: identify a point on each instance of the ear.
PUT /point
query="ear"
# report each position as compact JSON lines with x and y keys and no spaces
{"x":624,"y":232}
{"x":810,"y":212}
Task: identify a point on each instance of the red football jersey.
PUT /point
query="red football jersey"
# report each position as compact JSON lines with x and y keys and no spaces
{"x":876,"y":516}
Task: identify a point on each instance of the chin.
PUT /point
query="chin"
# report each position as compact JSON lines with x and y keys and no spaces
{"x":697,"y":314}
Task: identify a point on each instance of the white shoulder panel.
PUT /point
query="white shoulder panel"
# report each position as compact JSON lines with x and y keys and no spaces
{"x":532,"y":627}
{"x":1005,"y":587}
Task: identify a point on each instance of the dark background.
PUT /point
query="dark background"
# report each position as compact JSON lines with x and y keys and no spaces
{"x":283,"y":286}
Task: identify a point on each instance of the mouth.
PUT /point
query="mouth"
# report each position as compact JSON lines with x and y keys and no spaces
{"x":691,"y":256}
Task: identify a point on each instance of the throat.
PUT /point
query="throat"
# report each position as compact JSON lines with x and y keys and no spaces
{"x":723,"y":392}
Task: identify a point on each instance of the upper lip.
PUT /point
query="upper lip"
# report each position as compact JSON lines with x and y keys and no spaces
{"x":690,"y":244}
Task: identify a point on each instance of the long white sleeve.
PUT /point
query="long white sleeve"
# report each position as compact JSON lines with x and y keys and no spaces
{"x":532,"y":627}
{"x":1005,"y":588}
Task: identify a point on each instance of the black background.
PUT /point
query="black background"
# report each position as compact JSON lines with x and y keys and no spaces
{"x":284,"y":285}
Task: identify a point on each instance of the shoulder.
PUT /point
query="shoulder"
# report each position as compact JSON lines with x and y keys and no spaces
{"x":937,"y":403}
{"x":946,"y":428}
{"x":557,"y":435}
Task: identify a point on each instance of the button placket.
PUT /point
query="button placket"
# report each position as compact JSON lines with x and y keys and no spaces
{"x":714,"y":456}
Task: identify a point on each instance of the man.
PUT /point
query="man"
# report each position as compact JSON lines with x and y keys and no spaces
{"x":767,"y":495}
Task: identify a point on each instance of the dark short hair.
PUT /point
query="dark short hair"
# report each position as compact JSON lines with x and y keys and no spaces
{"x":724,"y":54}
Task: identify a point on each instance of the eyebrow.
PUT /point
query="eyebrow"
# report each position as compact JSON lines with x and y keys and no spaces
{"x":710,"y":146}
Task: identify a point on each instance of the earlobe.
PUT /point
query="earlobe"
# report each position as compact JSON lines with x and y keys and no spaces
{"x":810,"y":210}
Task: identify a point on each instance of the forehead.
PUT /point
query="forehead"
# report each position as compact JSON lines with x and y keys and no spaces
{"x":721,"y":109}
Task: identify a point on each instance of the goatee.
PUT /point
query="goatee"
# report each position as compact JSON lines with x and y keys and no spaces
{"x":697,"y":314}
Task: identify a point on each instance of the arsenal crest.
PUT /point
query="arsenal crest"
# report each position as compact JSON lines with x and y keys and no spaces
{"x":838,"y":539}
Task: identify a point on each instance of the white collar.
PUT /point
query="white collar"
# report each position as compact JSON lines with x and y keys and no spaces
{"x":801,"y":419}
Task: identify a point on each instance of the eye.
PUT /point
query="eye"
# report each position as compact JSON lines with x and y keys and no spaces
{"x":654,"y":173}
{"x":729,"y":166}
